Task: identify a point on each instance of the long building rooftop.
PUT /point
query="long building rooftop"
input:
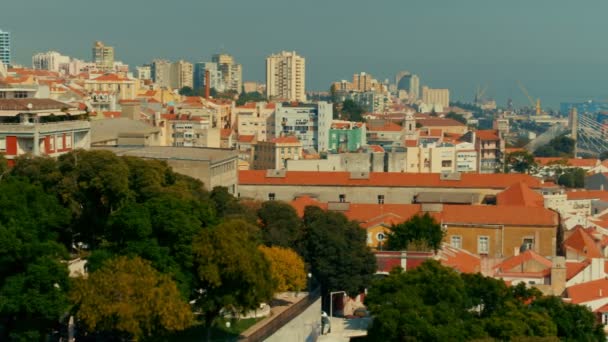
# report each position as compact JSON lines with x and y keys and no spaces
{"x":213,"y":155}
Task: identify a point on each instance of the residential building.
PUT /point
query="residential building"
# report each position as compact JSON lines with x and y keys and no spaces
{"x":51,"y":61}
{"x":410,"y":83}
{"x":255,"y":119}
{"x":490,"y":149}
{"x":124,"y":132}
{"x":430,"y":158}
{"x":347,"y":136}
{"x":181,"y":75}
{"x":215,"y":76}
{"x":251,"y":87}
{"x":232,"y":73}
{"x":274,"y":154}
{"x":192,"y":132}
{"x":365,"y":187}
{"x":5,"y":48}
{"x":121,"y":87}
{"x":598,"y":181}
{"x":103,"y":56}
{"x":41,"y":127}
{"x":370,"y":101}
{"x":383,"y":132}
{"x":144,"y":72}
{"x":466,"y":157}
{"x":363,"y":82}
{"x":438,"y":98}
{"x":446,"y":125}
{"x":213,"y":166}
{"x":309,"y":122}
{"x":161,"y":73}
{"x":286,"y":77}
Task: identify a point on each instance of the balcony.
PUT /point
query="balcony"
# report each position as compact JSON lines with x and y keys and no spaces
{"x":43,"y":128}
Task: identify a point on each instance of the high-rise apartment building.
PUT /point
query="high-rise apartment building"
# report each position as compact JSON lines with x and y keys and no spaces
{"x":415,"y":88}
{"x":103,"y":56}
{"x":436,"y":97}
{"x":410,"y":83}
{"x":363,"y":82}
{"x":232,"y":73}
{"x":144,"y":72}
{"x":51,"y":60}
{"x":161,"y":72}
{"x":181,"y":74}
{"x":215,"y":76}
{"x":5,"y":48}
{"x":286,"y":76}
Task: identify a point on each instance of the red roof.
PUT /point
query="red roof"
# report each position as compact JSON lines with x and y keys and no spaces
{"x":387,"y":126}
{"x":111,"y":115}
{"x":516,"y":264}
{"x":587,"y":194}
{"x":246,"y":138}
{"x":488,"y":134}
{"x":389,"y":179}
{"x":520,"y":194}
{"x":588,"y":291}
{"x":581,"y":242}
{"x":573,"y":268}
{"x":225,"y":133}
{"x":575,"y":162}
{"x":411,"y":143}
{"x":376,"y":148}
{"x":459,"y":259}
{"x":111,"y":78}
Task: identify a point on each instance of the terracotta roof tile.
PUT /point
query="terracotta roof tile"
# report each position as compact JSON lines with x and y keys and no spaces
{"x":516,"y":263}
{"x":246,"y":138}
{"x":459,"y":259}
{"x":588,"y":291}
{"x":111,"y":78}
{"x":438,"y":122}
{"x":587,"y":194}
{"x":520,"y":194}
{"x":573,"y":268}
{"x":387,"y":126}
{"x":581,"y":242}
{"x":575,"y":162}
{"x":488,"y":134}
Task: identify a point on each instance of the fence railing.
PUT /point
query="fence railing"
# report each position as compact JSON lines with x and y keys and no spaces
{"x":277,"y":322}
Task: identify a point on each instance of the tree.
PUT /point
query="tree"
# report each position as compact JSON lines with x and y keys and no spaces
{"x":249,"y":97}
{"x":604,"y":155}
{"x":280,"y":224}
{"x":352,"y":111}
{"x":519,"y":161}
{"x":561,"y":146}
{"x":337,"y":252}
{"x":457,"y":117}
{"x":572,"y":178}
{"x":574,"y":322}
{"x":286,"y":267}
{"x":128,"y":298}
{"x":233,"y":273}
{"x":421,"y":232}
{"x":187,"y":91}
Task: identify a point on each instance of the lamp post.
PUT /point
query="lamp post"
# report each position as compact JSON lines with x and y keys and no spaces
{"x":309,"y":275}
{"x":331,"y":302}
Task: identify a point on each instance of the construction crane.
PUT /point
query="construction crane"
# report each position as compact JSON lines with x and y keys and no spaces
{"x":525,"y":91}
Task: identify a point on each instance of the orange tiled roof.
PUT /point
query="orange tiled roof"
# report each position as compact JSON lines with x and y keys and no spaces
{"x":225,"y":133}
{"x":575,"y":162}
{"x":487,"y":134}
{"x":588,"y":291}
{"x":244,"y":138}
{"x":376,"y":148}
{"x":111,"y":78}
{"x":467,"y":180}
{"x":438,"y":122}
{"x":581,"y":242}
{"x":286,"y":140}
{"x":573,"y":268}
{"x":511,"y":264}
{"x":459,"y":259}
{"x":387,"y":126}
{"x":587,"y":194}
{"x":411,"y":143}
{"x":520,"y":194}
{"x":111,"y":115}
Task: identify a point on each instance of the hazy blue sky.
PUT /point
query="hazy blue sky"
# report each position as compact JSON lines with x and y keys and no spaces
{"x":557,"y":48}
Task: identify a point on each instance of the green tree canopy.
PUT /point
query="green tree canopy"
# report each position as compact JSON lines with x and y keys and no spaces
{"x":127,"y":298}
{"x":457,"y":117}
{"x":187,"y":91}
{"x":250,"y":97}
{"x":337,"y":252}
{"x":352,"y":111}
{"x":519,"y":161}
{"x":232,"y":271}
{"x":435,"y":303}
{"x":280,"y":224}
{"x":421,"y":232}
{"x":572,"y":178}
{"x":561,"y":146}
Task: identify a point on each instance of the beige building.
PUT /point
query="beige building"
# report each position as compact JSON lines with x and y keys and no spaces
{"x":214,"y":167}
{"x":103,"y":56}
{"x":363,"y":82}
{"x":436,"y":97}
{"x":255,"y":119}
{"x":286,"y":77}
{"x":274,"y":154}
{"x":122,"y":88}
{"x":232,"y":73}
{"x":182,"y":74}
{"x":430,"y":158}
{"x":193,"y":132}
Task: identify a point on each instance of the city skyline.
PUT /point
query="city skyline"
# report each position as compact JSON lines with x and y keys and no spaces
{"x":457,"y":46}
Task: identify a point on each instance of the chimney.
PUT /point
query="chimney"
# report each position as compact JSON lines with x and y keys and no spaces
{"x":558,"y":275}
{"x":207,"y":86}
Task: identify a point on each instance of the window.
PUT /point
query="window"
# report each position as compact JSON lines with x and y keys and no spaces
{"x":68,"y":141}
{"x":380,"y":199}
{"x":2,"y":144}
{"x":271,"y":196}
{"x":342,"y":198}
{"x":483,"y":245}
{"x":380,"y":237}
{"x":60,"y":143}
{"x":20,"y":94}
{"x":528,"y":243}
{"x":446,"y":163}
{"x":456,"y":241}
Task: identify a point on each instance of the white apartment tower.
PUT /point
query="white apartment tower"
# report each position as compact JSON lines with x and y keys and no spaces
{"x":232,"y":73}
{"x":182,"y":73}
{"x":51,"y":60}
{"x":286,"y":76}
{"x":103,"y":56}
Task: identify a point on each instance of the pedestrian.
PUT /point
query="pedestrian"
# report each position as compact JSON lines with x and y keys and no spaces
{"x":325,"y":322}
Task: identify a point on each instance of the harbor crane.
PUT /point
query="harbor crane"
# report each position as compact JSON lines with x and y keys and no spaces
{"x":537,"y":104}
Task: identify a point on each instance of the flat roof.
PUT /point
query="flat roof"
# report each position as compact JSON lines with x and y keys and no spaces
{"x":213,"y":155}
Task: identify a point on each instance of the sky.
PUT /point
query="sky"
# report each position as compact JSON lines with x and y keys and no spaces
{"x":556,"y":48}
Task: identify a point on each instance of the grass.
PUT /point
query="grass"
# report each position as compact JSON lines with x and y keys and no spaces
{"x":219,"y":332}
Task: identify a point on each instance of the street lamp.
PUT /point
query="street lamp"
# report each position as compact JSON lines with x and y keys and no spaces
{"x":331,"y":302}
{"x":309,"y":275}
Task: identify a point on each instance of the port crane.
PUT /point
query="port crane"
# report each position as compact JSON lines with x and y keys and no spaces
{"x":532,"y":102}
